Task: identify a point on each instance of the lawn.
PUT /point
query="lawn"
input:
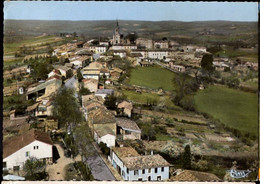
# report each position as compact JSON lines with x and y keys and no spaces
{"x":232,"y":107}
{"x":144,"y":97}
{"x":153,"y":77}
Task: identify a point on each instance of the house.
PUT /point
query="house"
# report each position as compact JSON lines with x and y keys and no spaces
{"x":128,"y":129}
{"x":63,"y":70}
{"x":161,"y":44}
{"x":44,"y":108}
{"x":44,"y":89}
{"x":144,"y":63}
{"x":54,"y":72}
{"x":104,"y":72}
{"x":101,"y":49}
{"x":177,"y":68}
{"x":104,"y":92}
{"x":116,"y":73}
{"x":188,"y":175}
{"x":146,"y":43}
{"x":137,"y":56}
{"x":17,"y":114}
{"x":126,"y":108}
{"x":92,"y":70}
{"x":89,"y":74}
{"x":91,"y":84}
{"x":99,"y":117}
{"x":134,"y":167}
{"x":79,"y":62}
{"x":106,"y":135}
{"x":31,"y":110}
{"x":120,"y":53}
{"x":123,"y":47}
{"x":18,"y":149}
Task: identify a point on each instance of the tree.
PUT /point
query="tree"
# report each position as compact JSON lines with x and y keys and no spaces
{"x":34,"y":169}
{"x":132,"y":37}
{"x":84,"y":91}
{"x":79,"y":75}
{"x":148,"y":131}
{"x":49,"y":50}
{"x":110,"y":102}
{"x":207,"y":63}
{"x":184,"y":85}
{"x":186,"y":158}
{"x":66,"y":109}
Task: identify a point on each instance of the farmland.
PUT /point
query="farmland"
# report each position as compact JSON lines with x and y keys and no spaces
{"x":153,"y":77}
{"x":232,"y":107}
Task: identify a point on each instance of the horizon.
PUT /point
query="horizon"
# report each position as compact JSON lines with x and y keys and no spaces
{"x":139,"y":11}
{"x":132,"y":20}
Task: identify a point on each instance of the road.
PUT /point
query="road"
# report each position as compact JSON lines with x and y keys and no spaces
{"x":98,"y":168}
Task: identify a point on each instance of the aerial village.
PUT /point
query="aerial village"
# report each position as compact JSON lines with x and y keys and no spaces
{"x":128,"y":140}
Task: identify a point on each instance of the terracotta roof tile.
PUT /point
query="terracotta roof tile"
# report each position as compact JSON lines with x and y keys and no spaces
{"x":12,"y":145}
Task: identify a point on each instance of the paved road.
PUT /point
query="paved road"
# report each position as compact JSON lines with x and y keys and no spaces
{"x":98,"y":168}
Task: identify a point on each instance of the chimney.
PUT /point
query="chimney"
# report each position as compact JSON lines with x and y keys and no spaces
{"x":152,"y":152}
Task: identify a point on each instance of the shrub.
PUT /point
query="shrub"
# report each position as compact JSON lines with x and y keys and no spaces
{"x":104,"y":148}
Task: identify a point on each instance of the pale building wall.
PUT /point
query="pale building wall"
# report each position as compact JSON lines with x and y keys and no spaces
{"x":19,"y":157}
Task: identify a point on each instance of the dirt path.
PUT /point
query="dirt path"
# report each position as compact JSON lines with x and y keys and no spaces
{"x":57,"y":171}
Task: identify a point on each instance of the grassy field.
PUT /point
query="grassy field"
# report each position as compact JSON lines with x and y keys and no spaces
{"x":143,"y":98}
{"x":11,"y":48}
{"x":153,"y":77}
{"x":232,"y":107}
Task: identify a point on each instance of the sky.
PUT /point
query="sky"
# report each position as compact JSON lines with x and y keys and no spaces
{"x":150,"y":11}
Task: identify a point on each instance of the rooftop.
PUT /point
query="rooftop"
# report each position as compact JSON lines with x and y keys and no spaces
{"x":103,"y":130}
{"x":101,"y":116}
{"x":123,"y":152}
{"x":127,"y":124}
{"x":105,"y":91}
{"x":145,"y":162}
{"x":14,"y":144}
{"x":126,"y":105}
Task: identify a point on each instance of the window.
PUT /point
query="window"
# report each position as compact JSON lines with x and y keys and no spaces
{"x":16,"y":168}
{"x":136,"y":172}
{"x":36,"y":147}
{"x":143,"y":171}
{"x":27,"y":154}
{"x":162,"y":169}
{"x":159,"y":178}
{"x":155,"y":170}
{"x":127,"y":171}
{"x":4,"y":164}
{"x":140,"y":179}
{"x":149,"y":170}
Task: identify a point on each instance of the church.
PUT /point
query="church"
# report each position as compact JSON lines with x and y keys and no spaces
{"x":118,"y":38}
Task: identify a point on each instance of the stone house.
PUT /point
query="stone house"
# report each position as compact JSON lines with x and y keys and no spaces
{"x":134,"y":167}
{"x":126,"y":108}
{"x":91,"y":84}
{"x":128,"y":129}
{"x":106,"y":135}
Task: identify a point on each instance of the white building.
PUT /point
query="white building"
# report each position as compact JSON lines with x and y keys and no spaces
{"x":134,"y":167}
{"x":101,"y":49}
{"x":105,"y":135}
{"x":123,"y":47}
{"x":20,"y":148}
{"x":120,"y":53}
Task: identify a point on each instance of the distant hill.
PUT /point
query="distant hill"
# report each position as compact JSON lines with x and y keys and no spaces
{"x":152,"y":29}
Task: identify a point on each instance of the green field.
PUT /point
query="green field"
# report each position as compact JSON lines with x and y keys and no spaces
{"x":144,"y":97}
{"x":153,"y":77}
{"x":11,"y":48}
{"x":232,"y":107}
